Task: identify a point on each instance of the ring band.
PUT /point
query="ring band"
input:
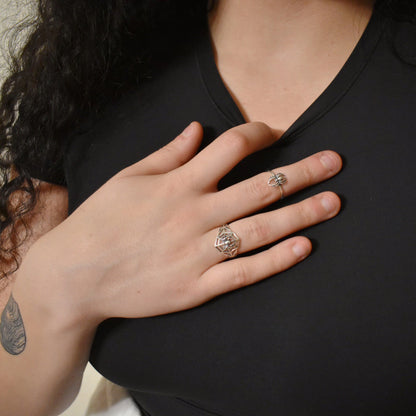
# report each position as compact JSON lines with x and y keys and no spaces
{"x":227,"y":241}
{"x":277,"y":180}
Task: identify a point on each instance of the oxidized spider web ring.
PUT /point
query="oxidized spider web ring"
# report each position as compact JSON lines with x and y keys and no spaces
{"x":277,"y":180}
{"x":227,"y":241}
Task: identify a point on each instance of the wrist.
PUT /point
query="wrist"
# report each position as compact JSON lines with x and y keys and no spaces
{"x":53,"y":291}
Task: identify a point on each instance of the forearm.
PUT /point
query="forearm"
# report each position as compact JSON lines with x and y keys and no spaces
{"x":42,"y":372}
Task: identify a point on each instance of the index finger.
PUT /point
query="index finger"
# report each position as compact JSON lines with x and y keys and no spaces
{"x":217,"y":159}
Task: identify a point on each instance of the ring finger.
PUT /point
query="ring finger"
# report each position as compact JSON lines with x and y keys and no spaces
{"x":262,"y":229}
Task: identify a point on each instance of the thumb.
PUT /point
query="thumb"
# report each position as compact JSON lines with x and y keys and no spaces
{"x":174,"y":154}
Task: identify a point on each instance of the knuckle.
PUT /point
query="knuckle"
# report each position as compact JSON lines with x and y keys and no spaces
{"x":259,"y":191}
{"x":237,"y":142}
{"x":308,"y":174}
{"x":307,"y":211}
{"x":263,"y":133}
{"x":240,"y":276}
{"x":259,"y":230}
{"x":263,"y":128}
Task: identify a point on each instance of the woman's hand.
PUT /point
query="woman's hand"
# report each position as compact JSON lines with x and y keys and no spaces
{"x":143,"y":244}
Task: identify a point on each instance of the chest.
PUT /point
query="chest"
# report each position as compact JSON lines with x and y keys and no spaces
{"x":276,"y":95}
{"x":278,"y":89}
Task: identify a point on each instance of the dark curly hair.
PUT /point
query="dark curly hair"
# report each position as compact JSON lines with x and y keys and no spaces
{"x":77,"y":56}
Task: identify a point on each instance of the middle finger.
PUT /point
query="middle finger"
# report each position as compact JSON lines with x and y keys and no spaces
{"x":253,"y":194}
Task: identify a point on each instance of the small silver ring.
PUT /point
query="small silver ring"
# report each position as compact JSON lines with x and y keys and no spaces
{"x":277,"y":180}
{"x":227,"y":241}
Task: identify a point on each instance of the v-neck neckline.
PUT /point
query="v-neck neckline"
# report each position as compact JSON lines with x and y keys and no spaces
{"x":330,"y":96}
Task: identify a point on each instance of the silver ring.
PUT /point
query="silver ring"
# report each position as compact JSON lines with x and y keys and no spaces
{"x":277,"y":180}
{"x":227,"y":241}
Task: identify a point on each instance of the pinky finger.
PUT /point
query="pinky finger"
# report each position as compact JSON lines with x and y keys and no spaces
{"x":239,"y":272}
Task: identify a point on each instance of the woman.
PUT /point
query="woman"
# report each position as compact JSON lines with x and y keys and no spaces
{"x":330,"y":336}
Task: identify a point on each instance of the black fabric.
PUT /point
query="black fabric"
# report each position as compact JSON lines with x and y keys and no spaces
{"x":52,"y":174}
{"x":335,"y":335}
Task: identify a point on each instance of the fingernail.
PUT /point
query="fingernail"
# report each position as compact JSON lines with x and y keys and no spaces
{"x":189,"y":130}
{"x":300,"y":250}
{"x":329,"y":161}
{"x":328,"y":204}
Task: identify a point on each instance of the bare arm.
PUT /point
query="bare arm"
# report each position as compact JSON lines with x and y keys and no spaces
{"x":34,"y":353}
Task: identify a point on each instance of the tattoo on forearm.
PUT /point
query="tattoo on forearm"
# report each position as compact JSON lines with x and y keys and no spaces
{"x":12,"y":330}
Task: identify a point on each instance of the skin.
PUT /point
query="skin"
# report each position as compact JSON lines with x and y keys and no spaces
{"x":74,"y":275}
{"x":277,"y":56}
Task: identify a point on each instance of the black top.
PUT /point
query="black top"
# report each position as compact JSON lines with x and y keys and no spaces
{"x":335,"y":335}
